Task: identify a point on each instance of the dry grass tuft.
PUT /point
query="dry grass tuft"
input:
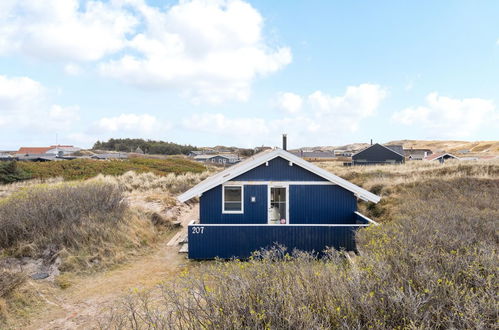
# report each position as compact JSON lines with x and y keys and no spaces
{"x":173,"y":183}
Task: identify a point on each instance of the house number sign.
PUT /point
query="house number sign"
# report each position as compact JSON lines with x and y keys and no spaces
{"x":197,"y":230}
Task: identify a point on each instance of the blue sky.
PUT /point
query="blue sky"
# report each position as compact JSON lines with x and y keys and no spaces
{"x":243,"y":72}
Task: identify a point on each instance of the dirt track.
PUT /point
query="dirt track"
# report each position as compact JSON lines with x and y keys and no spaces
{"x":78,"y":306}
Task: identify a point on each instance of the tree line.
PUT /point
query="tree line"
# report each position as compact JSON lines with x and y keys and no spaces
{"x":147,"y":146}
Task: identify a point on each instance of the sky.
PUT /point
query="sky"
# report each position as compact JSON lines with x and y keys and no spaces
{"x":241,"y":73}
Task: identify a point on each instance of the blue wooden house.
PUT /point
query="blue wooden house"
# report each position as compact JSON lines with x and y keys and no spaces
{"x":274,"y":197}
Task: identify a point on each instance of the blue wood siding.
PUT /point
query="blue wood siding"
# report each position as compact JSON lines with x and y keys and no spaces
{"x":240,"y":241}
{"x":210,"y":206}
{"x":308,"y":204}
{"x":321,"y":204}
{"x":278,"y":170}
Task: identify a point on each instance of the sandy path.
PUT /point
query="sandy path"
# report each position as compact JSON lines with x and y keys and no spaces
{"x":78,"y":306}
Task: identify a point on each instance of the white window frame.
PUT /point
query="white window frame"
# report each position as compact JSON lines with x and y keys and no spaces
{"x":242,"y":199}
{"x":278,"y":185}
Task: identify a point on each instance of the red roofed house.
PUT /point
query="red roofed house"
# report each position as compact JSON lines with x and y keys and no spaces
{"x":32,"y":151}
{"x":52,"y":150}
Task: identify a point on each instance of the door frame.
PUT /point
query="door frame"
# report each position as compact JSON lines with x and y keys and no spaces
{"x":278,"y":185}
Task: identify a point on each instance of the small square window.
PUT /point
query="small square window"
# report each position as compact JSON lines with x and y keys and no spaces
{"x":233,"y":199}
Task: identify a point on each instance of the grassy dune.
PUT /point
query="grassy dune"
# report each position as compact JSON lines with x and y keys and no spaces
{"x":79,"y":226}
{"x":431,"y":264}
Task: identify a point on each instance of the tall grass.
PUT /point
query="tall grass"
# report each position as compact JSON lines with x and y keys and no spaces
{"x":433,"y":266}
{"x":65,"y":216}
{"x":171,"y":183}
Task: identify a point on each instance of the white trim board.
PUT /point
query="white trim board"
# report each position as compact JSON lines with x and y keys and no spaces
{"x":264,"y":157}
{"x":276,"y":225}
{"x":287,"y":183}
{"x":366,"y":218}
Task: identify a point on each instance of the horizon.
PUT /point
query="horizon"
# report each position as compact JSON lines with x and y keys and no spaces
{"x":245,"y":72}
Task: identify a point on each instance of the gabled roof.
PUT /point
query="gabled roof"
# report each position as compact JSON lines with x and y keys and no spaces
{"x":33,"y":150}
{"x":396,"y":149}
{"x":438,"y":155}
{"x":265,"y":156}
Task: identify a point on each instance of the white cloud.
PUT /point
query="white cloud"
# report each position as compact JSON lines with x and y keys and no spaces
{"x":448,"y":117}
{"x":64,"y":29}
{"x":323,"y":115}
{"x":73,"y":69}
{"x":348,"y":110}
{"x":24,"y":103}
{"x":130,"y":123}
{"x":220,"y":124}
{"x":289,"y":102}
{"x":211,"y":50}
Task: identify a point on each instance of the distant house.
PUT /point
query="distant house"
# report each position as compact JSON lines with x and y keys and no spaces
{"x":218,"y":159}
{"x":110,"y":156}
{"x":202,"y":158}
{"x":379,"y":154}
{"x":57,"y":150}
{"x":224,"y":159}
{"x":314,"y":155}
{"x":416,"y":154}
{"x":139,"y":151}
{"x":62,"y":150}
{"x":24,"y":151}
{"x":441,"y":157}
{"x":194,"y":153}
{"x":343,"y":153}
{"x":5,"y":156}
{"x":274,"y":197}
{"x":260,"y":149}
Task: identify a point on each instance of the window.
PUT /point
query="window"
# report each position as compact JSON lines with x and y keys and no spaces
{"x":233,"y":199}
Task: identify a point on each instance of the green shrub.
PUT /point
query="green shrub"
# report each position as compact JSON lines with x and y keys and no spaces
{"x":10,"y":172}
{"x":78,"y":169}
{"x":148,"y":146}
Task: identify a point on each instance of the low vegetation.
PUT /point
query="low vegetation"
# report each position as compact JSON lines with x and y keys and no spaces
{"x":66,"y":217}
{"x":78,"y":169}
{"x":431,"y":264}
{"x":80,"y":227}
{"x":147,"y":146}
{"x":10,"y":172}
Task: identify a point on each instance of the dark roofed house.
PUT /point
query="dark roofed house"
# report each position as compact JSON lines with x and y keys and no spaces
{"x":110,"y":156}
{"x":379,"y":154}
{"x":271,"y":198}
{"x":5,"y":156}
{"x":194,"y":153}
{"x":314,"y":155}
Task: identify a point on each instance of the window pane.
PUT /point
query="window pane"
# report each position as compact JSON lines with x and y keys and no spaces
{"x":232,"y":194}
{"x":233,"y":206}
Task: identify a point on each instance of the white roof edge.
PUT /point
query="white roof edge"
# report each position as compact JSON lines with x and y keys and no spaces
{"x":257,"y":160}
{"x":441,"y":155}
